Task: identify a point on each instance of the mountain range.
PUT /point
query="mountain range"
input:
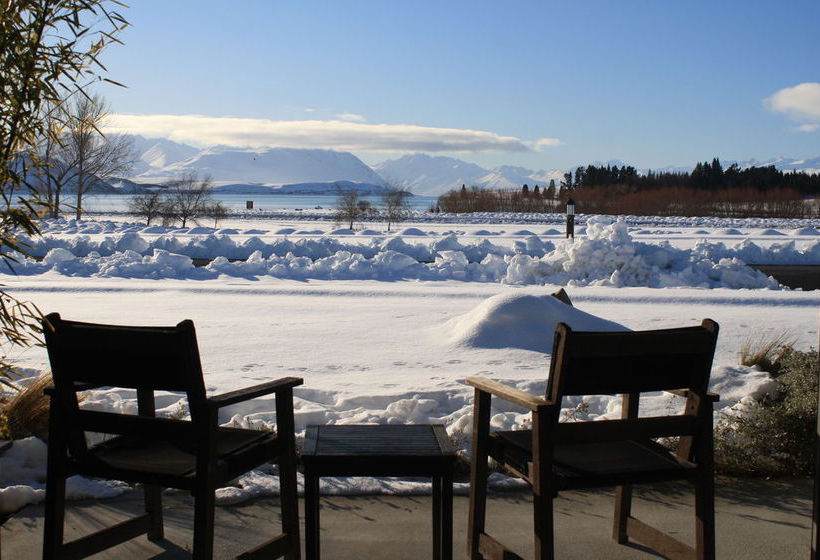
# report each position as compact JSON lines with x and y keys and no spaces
{"x":316,"y":171}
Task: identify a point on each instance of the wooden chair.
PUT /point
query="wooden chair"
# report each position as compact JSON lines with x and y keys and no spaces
{"x":196,"y":455}
{"x":555,"y":456}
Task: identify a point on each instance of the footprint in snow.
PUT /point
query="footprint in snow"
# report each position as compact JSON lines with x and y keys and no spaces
{"x":453,"y":361}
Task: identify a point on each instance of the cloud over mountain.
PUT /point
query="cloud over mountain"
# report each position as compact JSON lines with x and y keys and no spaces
{"x":343,"y":135}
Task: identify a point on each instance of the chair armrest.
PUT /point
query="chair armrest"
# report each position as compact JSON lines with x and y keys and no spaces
{"x":711,"y":397}
{"x":508,"y":393}
{"x":240,"y":395}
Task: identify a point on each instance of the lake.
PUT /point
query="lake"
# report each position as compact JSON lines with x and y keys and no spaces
{"x":119,"y":202}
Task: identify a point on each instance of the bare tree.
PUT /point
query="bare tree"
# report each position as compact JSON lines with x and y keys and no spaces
{"x":394,"y":205}
{"x":91,"y":156}
{"x":148,"y":205}
{"x":54,"y":173}
{"x":350,"y":208}
{"x":217,"y":211}
{"x":187,"y":198}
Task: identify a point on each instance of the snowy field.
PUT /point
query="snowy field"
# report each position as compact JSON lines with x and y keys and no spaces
{"x":384,"y":327}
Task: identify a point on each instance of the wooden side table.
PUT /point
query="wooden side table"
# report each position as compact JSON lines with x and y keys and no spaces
{"x":381,"y":450}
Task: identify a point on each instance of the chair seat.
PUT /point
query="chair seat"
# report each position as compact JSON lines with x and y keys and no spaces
{"x":131,"y":458}
{"x":609,"y":462}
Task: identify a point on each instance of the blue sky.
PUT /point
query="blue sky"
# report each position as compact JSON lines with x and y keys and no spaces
{"x":541,"y":84}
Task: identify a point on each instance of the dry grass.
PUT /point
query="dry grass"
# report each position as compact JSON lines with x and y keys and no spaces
{"x":26,"y":413}
{"x":766,"y":351}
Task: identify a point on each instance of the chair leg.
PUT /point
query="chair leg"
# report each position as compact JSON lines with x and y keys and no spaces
{"x":204,"y":502}
{"x":544,"y":545}
{"x":55,"y":487}
{"x":478,"y":474}
{"x":289,"y":500}
{"x":705,"y":517}
{"x":54,"y":516}
{"x":623,"y":509}
{"x":153,"y":507}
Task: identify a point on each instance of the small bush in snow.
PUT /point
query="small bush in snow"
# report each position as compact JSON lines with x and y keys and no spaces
{"x":774,"y":436}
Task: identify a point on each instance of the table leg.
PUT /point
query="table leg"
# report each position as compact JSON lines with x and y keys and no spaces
{"x":437,"y":517}
{"x":447,"y":517}
{"x":311,"y":517}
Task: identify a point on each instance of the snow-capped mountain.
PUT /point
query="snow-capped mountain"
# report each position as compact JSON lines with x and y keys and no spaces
{"x":428,"y":175}
{"x":155,"y":153}
{"x":272,"y":166}
{"x":510,"y":176}
{"x":319,"y":170}
{"x":810,"y":165}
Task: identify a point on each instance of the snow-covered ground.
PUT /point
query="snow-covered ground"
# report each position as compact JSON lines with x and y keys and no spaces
{"x":385,"y":327}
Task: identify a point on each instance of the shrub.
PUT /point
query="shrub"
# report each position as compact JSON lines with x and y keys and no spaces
{"x":776,"y":435}
{"x":766,"y":352}
{"x":26,"y":413}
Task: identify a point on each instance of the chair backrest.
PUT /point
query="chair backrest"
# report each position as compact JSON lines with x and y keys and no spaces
{"x":601,"y":363}
{"x":142,"y":358}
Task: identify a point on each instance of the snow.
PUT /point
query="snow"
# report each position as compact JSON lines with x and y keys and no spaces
{"x":385,"y":326}
{"x":523,"y":321}
{"x":247,"y":169}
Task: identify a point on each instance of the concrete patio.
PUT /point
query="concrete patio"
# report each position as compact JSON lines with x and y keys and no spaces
{"x":756,"y":519}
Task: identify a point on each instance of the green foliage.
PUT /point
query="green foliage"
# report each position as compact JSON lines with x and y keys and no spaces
{"x":775,"y":436}
{"x":48,"y":52}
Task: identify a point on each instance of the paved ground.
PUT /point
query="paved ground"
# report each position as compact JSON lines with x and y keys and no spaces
{"x":756,"y":520}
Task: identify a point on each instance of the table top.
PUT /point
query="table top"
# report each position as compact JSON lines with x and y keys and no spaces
{"x":378,"y":450}
{"x":364,"y":440}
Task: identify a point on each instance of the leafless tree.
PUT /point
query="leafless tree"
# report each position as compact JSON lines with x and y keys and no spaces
{"x":394,"y":205}
{"x":187,"y":198}
{"x":91,"y":156}
{"x":148,"y":205}
{"x":216,"y":210}
{"x":350,"y":208}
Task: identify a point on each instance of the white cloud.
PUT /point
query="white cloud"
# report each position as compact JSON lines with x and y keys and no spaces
{"x":204,"y":131}
{"x":807,"y":127}
{"x":541,"y":143}
{"x":351,"y":117}
{"x":801,"y":102}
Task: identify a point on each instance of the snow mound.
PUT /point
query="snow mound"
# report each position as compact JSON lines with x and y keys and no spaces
{"x":806,"y":231}
{"x":551,"y":231}
{"x":729,"y":231}
{"x":411,"y":231}
{"x":284,"y":231}
{"x":770,"y":231}
{"x":522,"y":232}
{"x":520,"y":321}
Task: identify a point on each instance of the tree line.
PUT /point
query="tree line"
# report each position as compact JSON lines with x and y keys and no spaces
{"x":710,"y":176}
{"x":708,"y":189}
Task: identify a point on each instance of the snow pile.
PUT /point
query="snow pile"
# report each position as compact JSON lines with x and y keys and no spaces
{"x":520,"y":321}
{"x":607,"y":256}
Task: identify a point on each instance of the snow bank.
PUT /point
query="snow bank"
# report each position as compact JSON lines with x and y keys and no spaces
{"x":520,"y":321}
{"x":606,"y":256}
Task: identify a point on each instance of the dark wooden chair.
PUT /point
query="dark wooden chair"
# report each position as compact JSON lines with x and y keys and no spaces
{"x":555,"y":456}
{"x":197,"y":455}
